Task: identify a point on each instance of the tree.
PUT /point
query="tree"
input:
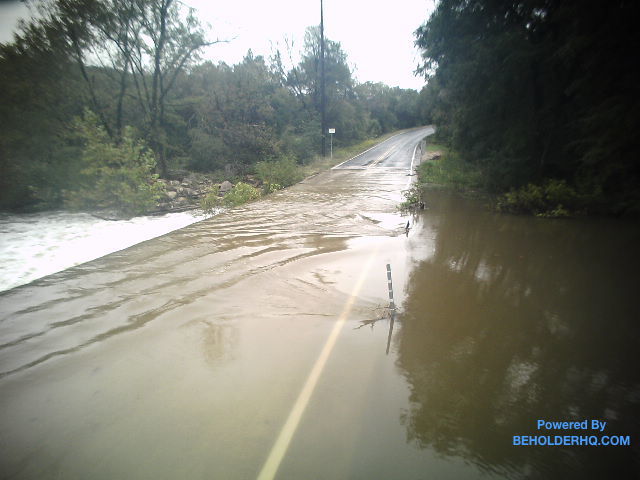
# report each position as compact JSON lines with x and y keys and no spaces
{"x":40,"y":88}
{"x":132,"y":62}
{"x":538,"y":89}
{"x":113,"y":175}
{"x":304,"y":80}
{"x":390,"y":108}
{"x":169,"y":47}
{"x":140,"y":45}
{"x":233,"y":119}
{"x":339,"y":83}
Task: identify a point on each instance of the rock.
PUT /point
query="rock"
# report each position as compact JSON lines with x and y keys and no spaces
{"x":225,"y":186}
{"x":432,"y":155}
{"x":171,"y":194}
{"x":180,"y":201}
{"x":189,"y":192}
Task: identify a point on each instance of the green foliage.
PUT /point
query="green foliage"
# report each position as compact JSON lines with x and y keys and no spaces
{"x":412,"y":197}
{"x":212,"y":201}
{"x":301,"y":141}
{"x":233,"y":117}
{"x":241,"y":193}
{"x":133,"y":63}
{"x":272,"y":187}
{"x":452,"y":171}
{"x":306,"y":75}
{"x":528,"y":91}
{"x":39,"y":88}
{"x":389,"y":108}
{"x":113,"y":176}
{"x":554,"y":198}
{"x":282,"y":172}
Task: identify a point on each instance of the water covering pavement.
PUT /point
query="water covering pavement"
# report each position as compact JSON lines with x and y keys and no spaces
{"x":188,"y":356}
{"x":182,"y":356}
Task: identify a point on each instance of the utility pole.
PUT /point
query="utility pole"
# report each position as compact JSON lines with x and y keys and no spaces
{"x":323,"y":99}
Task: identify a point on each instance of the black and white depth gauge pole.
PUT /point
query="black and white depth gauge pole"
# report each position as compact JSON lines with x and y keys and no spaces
{"x":392,"y":307}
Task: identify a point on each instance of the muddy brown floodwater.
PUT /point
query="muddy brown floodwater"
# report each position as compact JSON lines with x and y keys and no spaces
{"x":194,"y":354}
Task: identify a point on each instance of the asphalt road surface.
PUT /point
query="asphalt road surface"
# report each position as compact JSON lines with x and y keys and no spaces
{"x":397,"y":152}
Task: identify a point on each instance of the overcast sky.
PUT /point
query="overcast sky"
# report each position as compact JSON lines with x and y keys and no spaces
{"x":377,"y":36}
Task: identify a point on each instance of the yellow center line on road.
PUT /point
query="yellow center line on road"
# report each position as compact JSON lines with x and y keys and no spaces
{"x":280,"y":447}
{"x":384,"y":156}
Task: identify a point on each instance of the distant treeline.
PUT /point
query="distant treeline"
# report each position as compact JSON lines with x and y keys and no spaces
{"x":90,"y":82}
{"x":540,"y":95}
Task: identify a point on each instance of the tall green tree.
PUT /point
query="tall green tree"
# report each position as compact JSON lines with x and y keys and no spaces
{"x":113,"y":175}
{"x":142,"y":46}
{"x":343,"y":112}
{"x":133,"y":62}
{"x":40,"y":86}
{"x":538,"y":89}
{"x":234,"y":119}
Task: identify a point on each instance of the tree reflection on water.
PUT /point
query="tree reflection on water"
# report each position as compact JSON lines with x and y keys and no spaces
{"x":516,"y":319}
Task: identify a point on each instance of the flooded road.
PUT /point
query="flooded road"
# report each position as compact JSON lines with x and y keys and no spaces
{"x":34,"y":245}
{"x":253,"y":344}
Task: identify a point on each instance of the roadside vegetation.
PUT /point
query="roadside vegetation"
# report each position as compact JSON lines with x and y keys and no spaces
{"x":536,"y":103}
{"x":240,"y":194}
{"x":440,"y":166}
{"x":278,"y":174}
{"x":552,"y":198}
{"x":257,"y":119}
{"x":448,"y":168}
{"x":117,"y":177}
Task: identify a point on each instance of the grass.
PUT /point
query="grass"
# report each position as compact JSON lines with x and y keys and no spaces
{"x":551,"y":199}
{"x":449,"y":170}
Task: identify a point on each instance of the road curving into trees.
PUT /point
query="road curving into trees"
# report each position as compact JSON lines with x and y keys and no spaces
{"x":398,"y":151}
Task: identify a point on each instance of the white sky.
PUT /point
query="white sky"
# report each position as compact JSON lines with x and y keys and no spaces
{"x":377,"y":36}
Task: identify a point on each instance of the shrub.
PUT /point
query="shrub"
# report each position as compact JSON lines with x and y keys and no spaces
{"x":554,"y":198}
{"x":302,"y":144}
{"x":211,"y":202}
{"x":278,"y":173}
{"x":113,"y":175}
{"x":272,"y":187}
{"x":412,"y":197}
{"x":239,"y":194}
{"x":450,"y":170}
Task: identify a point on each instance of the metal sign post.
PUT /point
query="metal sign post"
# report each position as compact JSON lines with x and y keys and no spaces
{"x":331,"y":132}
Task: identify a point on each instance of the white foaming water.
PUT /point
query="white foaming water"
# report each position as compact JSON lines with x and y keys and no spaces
{"x":35,"y":245}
